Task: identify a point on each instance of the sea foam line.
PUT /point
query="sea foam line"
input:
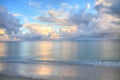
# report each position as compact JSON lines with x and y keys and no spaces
{"x":82,"y":62}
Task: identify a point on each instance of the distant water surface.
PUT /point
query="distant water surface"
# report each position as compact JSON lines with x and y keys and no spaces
{"x":62,"y":50}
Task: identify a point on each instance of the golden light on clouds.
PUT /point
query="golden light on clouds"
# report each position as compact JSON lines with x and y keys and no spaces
{"x":55,"y":36}
{"x":2,"y":31}
{"x":65,"y":30}
{"x":39,"y":29}
{"x":74,"y":28}
{"x":105,"y":2}
{"x":45,"y":30}
{"x":49,"y":31}
{"x":3,"y":35}
{"x":70,"y":29}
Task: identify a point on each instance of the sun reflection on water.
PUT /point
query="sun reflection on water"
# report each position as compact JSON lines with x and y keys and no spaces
{"x":44,"y":70}
{"x":1,"y":66}
{"x":2,"y":49}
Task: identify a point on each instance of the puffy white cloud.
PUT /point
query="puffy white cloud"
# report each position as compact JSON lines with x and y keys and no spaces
{"x":38,"y":29}
{"x":69,"y":32}
{"x":42,"y":31}
{"x":106,"y":24}
{"x":16,"y":14}
{"x":88,"y":6}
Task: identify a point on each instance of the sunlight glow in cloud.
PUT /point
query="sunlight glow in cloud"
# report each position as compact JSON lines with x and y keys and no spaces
{"x":88,"y":6}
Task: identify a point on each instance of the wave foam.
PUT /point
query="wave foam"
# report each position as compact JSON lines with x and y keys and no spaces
{"x":82,"y":62}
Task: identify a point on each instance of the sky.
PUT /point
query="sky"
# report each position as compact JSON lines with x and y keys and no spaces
{"x":59,"y":19}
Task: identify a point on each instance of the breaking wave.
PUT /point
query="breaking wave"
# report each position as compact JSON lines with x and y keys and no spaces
{"x":106,"y":63}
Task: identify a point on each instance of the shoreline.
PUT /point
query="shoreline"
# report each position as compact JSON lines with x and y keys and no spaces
{"x":12,"y":77}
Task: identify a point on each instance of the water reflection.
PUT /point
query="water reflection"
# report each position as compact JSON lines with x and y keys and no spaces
{"x":25,"y":49}
{"x":35,"y":69}
{"x":44,"y":50}
{"x":2,"y":49}
{"x":68,"y":48}
{"x":109,"y":50}
{"x":1,"y":67}
{"x":43,"y":70}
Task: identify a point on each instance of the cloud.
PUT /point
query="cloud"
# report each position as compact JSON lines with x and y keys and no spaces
{"x":2,"y":31}
{"x":69,"y":32}
{"x":75,"y":23}
{"x":3,"y":35}
{"x":33,"y":4}
{"x":38,"y":29}
{"x":71,"y":22}
{"x":106,"y":24}
{"x":80,"y":17}
{"x":16,"y":14}
{"x":42,"y":31}
{"x":115,"y":8}
{"x":58,"y":16}
{"x":45,"y":32}
{"x":88,"y":6}
{"x":67,"y":6}
{"x":67,"y":20}
{"x":101,"y":25}
{"x":108,"y":6}
{"x":24,"y":17}
{"x":8,"y":21}
{"x":55,"y":17}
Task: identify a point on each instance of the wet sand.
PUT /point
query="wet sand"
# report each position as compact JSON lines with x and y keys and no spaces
{"x":57,"y":72}
{"x":9,"y":77}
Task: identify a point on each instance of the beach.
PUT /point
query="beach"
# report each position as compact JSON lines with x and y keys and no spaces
{"x":9,"y":77}
{"x":48,"y":71}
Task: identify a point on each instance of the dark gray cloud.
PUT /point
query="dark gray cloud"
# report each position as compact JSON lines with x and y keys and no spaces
{"x":8,"y":21}
{"x":80,"y":17}
{"x":108,"y":6}
{"x":115,"y":8}
{"x":31,"y":37}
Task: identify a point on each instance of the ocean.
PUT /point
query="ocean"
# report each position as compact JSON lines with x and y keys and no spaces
{"x":61,"y":60}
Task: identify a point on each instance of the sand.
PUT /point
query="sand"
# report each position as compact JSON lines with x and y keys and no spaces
{"x":9,"y":77}
{"x":57,"y":72}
